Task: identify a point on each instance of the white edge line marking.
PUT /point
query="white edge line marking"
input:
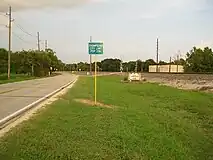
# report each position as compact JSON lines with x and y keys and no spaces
{"x":28,"y":107}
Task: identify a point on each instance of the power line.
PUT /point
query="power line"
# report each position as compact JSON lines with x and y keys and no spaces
{"x":4,"y":15}
{"x":23,"y":30}
{"x":8,"y":15}
{"x":16,"y":24}
{"x":20,"y":38}
{"x":3,"y":25}
{"x":16,"y":15}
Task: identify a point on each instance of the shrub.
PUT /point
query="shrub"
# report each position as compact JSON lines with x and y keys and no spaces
{"x":125,"y":78}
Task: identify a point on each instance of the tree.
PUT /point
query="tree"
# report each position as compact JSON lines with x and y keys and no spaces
{"x":3,"y":60}
{"x":28,"y":61}
{"x":83,"y":66}
{"x":147,"y":63}
{"x":131,"y":66}
{"x":139,"y":66}
{"x":41,"y":62}
{"x":162,"y":63}
{"x":111,"y":65}
{"x":179,"y":62}
{"x":125,"y":67}
{"x":199,"y":60}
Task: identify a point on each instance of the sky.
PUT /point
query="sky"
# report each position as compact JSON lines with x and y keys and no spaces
{"x":128,"y":28}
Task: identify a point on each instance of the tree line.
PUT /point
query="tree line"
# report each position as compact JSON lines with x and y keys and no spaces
{"x":41,"y":63}
{"x":114,"y":65}
{"x":32,"y":62}
{"x":197,"y":61}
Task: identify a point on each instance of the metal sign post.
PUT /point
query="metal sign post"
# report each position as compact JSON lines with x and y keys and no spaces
{"x":95,"y":48}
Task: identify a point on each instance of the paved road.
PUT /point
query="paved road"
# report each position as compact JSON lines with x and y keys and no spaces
{"x":15,"y":96}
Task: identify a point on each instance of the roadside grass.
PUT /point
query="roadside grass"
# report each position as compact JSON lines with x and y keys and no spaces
{"x":150,"y":122}
{"x":20,"y":77}
{"x":14,"y":78}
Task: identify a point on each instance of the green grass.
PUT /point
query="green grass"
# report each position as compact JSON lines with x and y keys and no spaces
{"x":149,"y":122}
{"x":20,"y":77}
{"x":14,"y":78}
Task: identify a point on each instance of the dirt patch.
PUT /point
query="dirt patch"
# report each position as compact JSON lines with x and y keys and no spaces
{"x":198,"y":82}
{"x":92,"y":103}
{"x":205,"y":88}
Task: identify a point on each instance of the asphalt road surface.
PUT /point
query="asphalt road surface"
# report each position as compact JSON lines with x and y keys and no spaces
{"x":15,"y":96}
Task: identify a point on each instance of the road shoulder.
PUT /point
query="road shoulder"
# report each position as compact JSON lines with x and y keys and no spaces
{"x":32,"y":112}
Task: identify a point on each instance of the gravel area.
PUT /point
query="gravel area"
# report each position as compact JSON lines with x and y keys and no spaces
{"x":202,"y":82}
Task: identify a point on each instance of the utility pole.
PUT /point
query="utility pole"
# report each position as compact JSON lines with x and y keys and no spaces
{"x":38,"y":36}
{"x":32,"y":69}
{"x":9,"y":40}
{"x":177,"y":61}
{"x":90,"y":59}
{"x":170,"y":63}
{"x":157,"y":55}
{"x":46,"y":45}
{"x":142,"y":67}
{"x":121,"y":66}
{"x":136,"y":67}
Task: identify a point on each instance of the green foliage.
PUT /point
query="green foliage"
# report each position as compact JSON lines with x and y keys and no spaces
{"x":125,"y":78}
{"x":147,"y":63}
{"x":3,"y":60}
{"x":83,"y":66}
{"x":199,"y":60}
{"x":179,"y":62}
{"x":29,"y":62}
{"x":14,"y":78}
{"x":130,"y":66}
{"x":112,"y":65}
{"x":162,"y":63}
{"x":148,"y":122}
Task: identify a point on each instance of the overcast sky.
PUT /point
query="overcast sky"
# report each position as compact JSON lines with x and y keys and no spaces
{"x":128,"y":28}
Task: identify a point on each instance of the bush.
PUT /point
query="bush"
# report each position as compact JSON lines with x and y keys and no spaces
{"x":125,"y":78}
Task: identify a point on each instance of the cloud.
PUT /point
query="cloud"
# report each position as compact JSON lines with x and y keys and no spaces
{"x":144,"y":9}
{"x":38,"y":4}
{"x":158,"y":8}
{"x":150,"y":9}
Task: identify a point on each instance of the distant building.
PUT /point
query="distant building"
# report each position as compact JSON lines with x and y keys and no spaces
{"x":166,"y":68}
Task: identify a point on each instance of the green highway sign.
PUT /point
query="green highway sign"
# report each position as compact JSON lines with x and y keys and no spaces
{"x":96,"y":48}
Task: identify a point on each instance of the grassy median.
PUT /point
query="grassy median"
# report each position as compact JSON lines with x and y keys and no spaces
{"x":14,"y":78}
{"x":147,"y":122}
{"x":21,"y":77}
